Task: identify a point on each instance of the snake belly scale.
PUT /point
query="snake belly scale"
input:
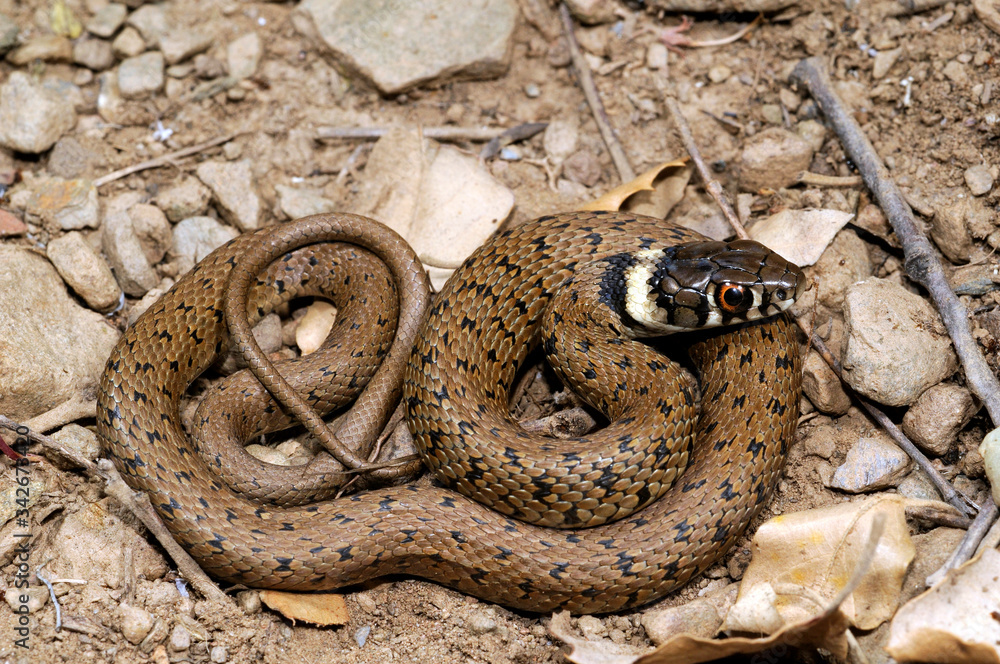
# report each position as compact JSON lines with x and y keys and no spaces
{"x":455,"y":384}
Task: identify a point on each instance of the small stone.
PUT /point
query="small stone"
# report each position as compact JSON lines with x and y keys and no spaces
{"x":180,"y":44}
{"x":188,"y":198}
{"x":482,"y":622}
{"x":84,"y":271}
{"x":361,"y":636}
{"x":367,"y":604}
{"x":696,"y":618}
{"x":884,"y":60}
{"x":896,"y":346}
{"x":773,"y":159}
{"x":719,"y":73}
{"x":141,"y":76}
{"x":107,"y":20}
{"x":128,"y":44}
{"x":772,"y":114}
{"x":532,"y":91}
{"x":65,"y":204}
{"x":197,"y":237}
{"x":789,"y":100}
{"x":8,"y":33}
{"x":180,"y":639}
{"x":821,"y":442}
{"x":249,"y":601}
{"x":812,"y":132}
{"x":152,"y":229}
{"x":69,"y":159}
{"x":125,"y":253}
{"x":47,"y":48}
{"x":136,"y":623}
{"x":591,"y":626}
{"x":243,"y":55}
{"x":979,"y":179}
{"x":32,"y":597}
{"x":32,"y":117}
{"x":844,"y":263}
{"x":822,"y":386}
{"x":949,"y":230}
{"x":592,"y":12}
{"x":151,"y":22}
{"x":934,"y":419}
{"x":560,"y":139}
{"x":234,"y":188}
{"x":81,"y":440}
{"x":219,"y":655}
{"x":93,"y":54}
{"x":956,"y":72}
{"x":873,"y":463}
{"x":656,"y":56}
{"x":10,"y":225}
{"x":297,"y":202}
{"x":583,"y":167}
{"x":918,"y":486}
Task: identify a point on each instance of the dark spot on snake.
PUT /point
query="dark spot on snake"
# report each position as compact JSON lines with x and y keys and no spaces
{"x":683,"y":532}
{"x":746,"y":358}
{"x":762,"y":378}
{"x":182,"y":476}
{"x":754,"y":447}
{"x":646,"y":242}
{"x":385,"y":504}
{"x":466,"y":427}
{"x":558,"y":569}
{"x":693,"y":485}
{"x":783,"y":362}
{"x":727,"y":490}
{"x":590,"y":374}
{"x":467,"y":323}
{"x":595,"y":238}
{"x":722,"y":390}
{"x":504,"y":553}
{"x":739,"y":401}
{"x":721,"y":533}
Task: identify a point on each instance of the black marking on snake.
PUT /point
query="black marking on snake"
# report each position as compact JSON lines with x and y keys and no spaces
{"x":783,"y":362}
{"x":693,"y":485}
{"x":683,"y":532}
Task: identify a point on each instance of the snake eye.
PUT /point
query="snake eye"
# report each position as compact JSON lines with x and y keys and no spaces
{"x":734,"y":298}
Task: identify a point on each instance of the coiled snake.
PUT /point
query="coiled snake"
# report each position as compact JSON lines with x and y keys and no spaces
{"x":619,"y":274}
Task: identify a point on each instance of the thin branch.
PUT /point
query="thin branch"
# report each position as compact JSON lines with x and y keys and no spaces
{"x":164,"y":159}
{"x":471,"y":134}
{"x":586,"y":81}
{"x":51,"y":445}
{"x":820,"y":180}
{"x":77,"y":407}
{"x":967,"y":547}
{"x":922,"y":264}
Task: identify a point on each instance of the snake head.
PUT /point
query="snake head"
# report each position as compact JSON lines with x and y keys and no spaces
{"x":699,"y":285}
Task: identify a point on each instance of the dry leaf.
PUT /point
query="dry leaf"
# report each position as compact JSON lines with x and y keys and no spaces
{"x":64,"y":21}
{"x":315,"y":326}
{"x":956,"y":621}
{"x":800,"y":236}
{"x":319,"y":609}
{"x":653,"y":193}
{"x":808,"y":557}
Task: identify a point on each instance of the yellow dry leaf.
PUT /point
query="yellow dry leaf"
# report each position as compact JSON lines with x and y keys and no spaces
{"x":319,"y":609}
{"x":653,"y":193}
{"x":64,"y":21}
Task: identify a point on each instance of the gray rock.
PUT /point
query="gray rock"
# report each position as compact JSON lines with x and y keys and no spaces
{"x":583,"y":167}
{"x":47,"y":48}
{"x":124,"y":251}
{"x":50,"y":347}
{"x":8,"y":33}
{"x":398,"y":46}
{"x":979,"y":179}
{"x":873,"y":463}
{"x":107,"y":20}
{"x":948,"y":226}
{"x":32,"y":117}
{"x":84,"y":271}
{"x":235,"y":191}
{"x":141,"y":76}
{"x":918,"y":486}
{"x":151,"y":22}
{"x":64,"y":204}
{"x":79,"y":439}
{"x":93,"y":54}
{"x":69,"y":159}
{"x":180,"y":639}
{"x":152,"y":229}
{"x":297,"y":203}
{"x":188,"y":198}
{"x":699,"y":617}
{"x":219,"y":655}
{"x":773,"y":159}
{"x":243,"y":55}
{"x":821,"y":385}
{"x":593,"y":11}
{"x":197,"y":237}
{"x":934,"y":420}
{"x":896,"y":344}
{"x":181,"y":43}
{"x":129,"y":43}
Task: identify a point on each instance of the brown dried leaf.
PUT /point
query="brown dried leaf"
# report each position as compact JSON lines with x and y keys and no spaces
{"x":956,"y":621}
{"x":653,"y":193}
{"x":319,"y":609}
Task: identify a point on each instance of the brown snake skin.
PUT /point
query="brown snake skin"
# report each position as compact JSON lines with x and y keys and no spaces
{"x":460,"y":369}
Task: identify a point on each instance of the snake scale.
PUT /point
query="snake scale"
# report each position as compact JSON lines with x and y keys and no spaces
{"x":569,"y":280}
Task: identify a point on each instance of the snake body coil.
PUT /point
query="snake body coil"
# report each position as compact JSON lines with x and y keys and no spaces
{"x":455,"y":391}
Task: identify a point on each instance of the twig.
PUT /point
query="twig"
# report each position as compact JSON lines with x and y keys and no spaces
{"x":907,"y":7}
{"x":922,"y":265}
{"x":76,"y":407}
{"x":586,"y":81}
{"x":51,"y":445}
{"x":52,"y":595}
{"x":987,"y":515}
{"x":139,"y":504}
{"x":472,"y":134}
{"x":819,"y":180}
{"x":164,"y":159}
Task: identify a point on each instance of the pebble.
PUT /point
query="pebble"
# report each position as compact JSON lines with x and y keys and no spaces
{"x":800,"y":236}
{"x":481,"y":622}
{"x":298,"y":202}
{"x":136,"y":622}
{"x":69,"y":159}
{"x":314,"y":327}
{"x":249,"y":601}
{"x":560,"y":138}
{"x":197,"y":237}
{"x":948,"y":226}
{"x":424,"y":31}
{"x":773,"y":159}
{"x":916,"y":485}
{"x":532,"y":91}
{"x":219,"y":655}
{"x":844,"y":263}
{"x":125,"y":253}
{"x":151,"y":21}
{"x":884,"y":61}
{"x":873,"y":463}
{"x":8,"y":33}
{"x":267,"y":333}
{"x":582,"y":167}
{"x":361,"y":636}
{"x":812,"y":132}
{"x":243,"y":55}
{"x":822,"y":386}
{"x":697,"y":618}
{"x":141,"y":76}
{"x":152,"y":229}
{"x":772,"y":114}
{"x":32,"y":117}
{"x":957,"y":73}
{"x":896,"y":345}
{"x":10,"y":225}
{"x":129,"y":43}
{"x":719,"y":73}
{"x":656,"y":56}
{"x":936,"y":417}
{"x":84,"y":271}
{"x":106,"y":21}
{"x":235,"y":191}
{"x":366,"y":602}
{"x":93,"y":54}
{"x":592,"y":12}
{"x":180,"y":44}
{"x":979,"y":179}
{"x":34,"y":597}
{"x":65,"y":204}
{"x":187,"y":198}
{"x":180,"y":639}
{"x":789,"y":100}
{"x":47,"y":48}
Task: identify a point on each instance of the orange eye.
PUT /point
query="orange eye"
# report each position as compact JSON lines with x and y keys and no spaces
{"x":734,"y":298}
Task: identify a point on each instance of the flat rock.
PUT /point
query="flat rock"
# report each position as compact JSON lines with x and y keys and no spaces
{"x":949,"y":229}
{"x":873,"y":463}
{"x":152,"y":229}
{"x":129,"y":43}
{"x":187,"y":198}
{"x":235,"y":191}
{"x":297,"y":202}
{"x":81,"y":440}
{"x":398,"y":46}
{"x":69,"y":159}
{"x":106,"y":21}
{"x":822,"y":387}
{"x":151,"y":21}
{"x":896,"y":345}
{"x":936,"y":417}
{"x":243,"y":55}
{"x":95,"y":54}
{"x":64,"y":204}
{"x":773,"y":159}
{"x":125,"y":253}
{"x":47,"y":48}
{"x":197,"y":237}
{"x":84,"y":271}
{"x":10,"y":225}
{"x":141,"y":76}
{"x":800,"y":236}
{"x":50,"y":346}
{"x":844,"y":263}
{"x":179,"y":44}
{"x":32,"y":117}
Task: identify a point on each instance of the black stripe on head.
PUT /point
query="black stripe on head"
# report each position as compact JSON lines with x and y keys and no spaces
{"x":614,"y":286}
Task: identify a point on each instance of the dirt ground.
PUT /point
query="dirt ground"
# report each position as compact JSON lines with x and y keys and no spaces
{"x":929,"y":142}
